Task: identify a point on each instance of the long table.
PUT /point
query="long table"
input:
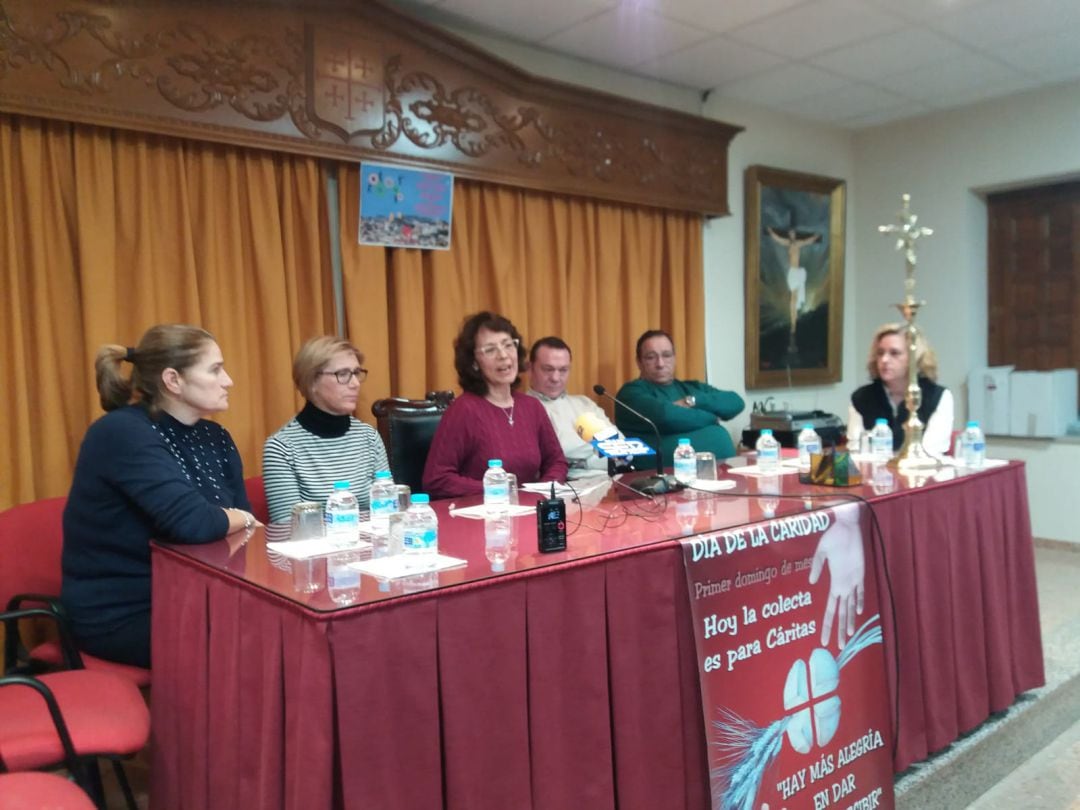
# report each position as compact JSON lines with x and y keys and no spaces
{"x":569,"y":680}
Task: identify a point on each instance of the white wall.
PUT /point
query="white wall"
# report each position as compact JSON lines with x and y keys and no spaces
{"x":775,"y":140}
{"x":945,"y":161}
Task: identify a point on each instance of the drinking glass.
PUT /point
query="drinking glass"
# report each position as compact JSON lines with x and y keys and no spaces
{"x":392,"y":543}
{"x":864,"y":444}
{"x":706,"y":466}
{"x":307,"y":521}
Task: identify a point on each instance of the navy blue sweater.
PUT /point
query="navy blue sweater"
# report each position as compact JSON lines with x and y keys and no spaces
{"x":139,"y":478}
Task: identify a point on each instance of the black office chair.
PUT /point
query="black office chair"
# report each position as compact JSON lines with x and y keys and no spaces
{"x":407,"y":427}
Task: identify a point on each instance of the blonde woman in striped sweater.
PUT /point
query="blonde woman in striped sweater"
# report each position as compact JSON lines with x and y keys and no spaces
{"x":323,"y":443}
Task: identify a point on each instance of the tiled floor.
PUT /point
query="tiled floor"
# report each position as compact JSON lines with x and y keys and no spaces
{"x":1050,"y":780}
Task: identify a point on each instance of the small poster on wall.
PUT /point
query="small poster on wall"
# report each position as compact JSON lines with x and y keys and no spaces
{"x":402,"y":207}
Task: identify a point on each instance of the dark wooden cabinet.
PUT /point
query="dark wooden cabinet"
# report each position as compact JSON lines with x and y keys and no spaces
{"x":1034,"y":277}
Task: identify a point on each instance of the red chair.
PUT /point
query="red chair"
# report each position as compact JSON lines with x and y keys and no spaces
{"x":257,"y":497}
{"x":31,"y":539}
{"x":41,"y":791}
{"x":71,"y":719}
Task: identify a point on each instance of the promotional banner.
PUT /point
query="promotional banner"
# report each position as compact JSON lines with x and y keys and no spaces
{"x":405,"y":207}
{"x":790,"y":660}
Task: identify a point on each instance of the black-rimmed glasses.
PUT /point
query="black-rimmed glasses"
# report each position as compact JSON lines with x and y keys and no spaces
{"x":345,"y":375}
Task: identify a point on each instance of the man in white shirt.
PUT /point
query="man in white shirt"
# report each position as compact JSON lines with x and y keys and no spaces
{"x":549,"y":369}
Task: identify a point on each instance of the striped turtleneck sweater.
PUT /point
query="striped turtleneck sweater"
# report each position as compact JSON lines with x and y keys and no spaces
{"x":302,"y":461}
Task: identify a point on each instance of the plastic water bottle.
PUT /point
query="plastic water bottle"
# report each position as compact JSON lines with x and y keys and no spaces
{"x":974,"y":446}
{"x":342,"y":580}
{"x":809,"y":443}
{"x":421,"y":533}
{"x":384,"y":501}
{"x":685,"y":463}
{"x":496,"y":487}
{"x":768,"y":452}
{"x":342,"y":515}
{"x":881,"y":441}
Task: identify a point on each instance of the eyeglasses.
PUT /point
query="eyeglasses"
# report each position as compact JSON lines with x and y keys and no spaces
{"x":345,"y":375}
{"x":506,"y":347}
{"x":652,"y":357}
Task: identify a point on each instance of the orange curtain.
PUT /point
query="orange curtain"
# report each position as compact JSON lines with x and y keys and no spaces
{"x":596,"y":274}
{"x":105,"y":233}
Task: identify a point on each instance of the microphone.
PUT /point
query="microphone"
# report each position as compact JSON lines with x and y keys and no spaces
{"x":655,"y":484}
{"x":589,"y":427}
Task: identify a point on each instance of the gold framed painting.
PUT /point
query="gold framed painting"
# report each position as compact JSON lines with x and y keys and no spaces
{"x":795,"y":229}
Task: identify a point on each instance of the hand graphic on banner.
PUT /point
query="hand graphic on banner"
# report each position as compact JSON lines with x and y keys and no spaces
{"x":841,"y":547}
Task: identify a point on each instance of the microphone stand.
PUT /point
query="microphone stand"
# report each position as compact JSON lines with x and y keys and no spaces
{"x":660,"y":483}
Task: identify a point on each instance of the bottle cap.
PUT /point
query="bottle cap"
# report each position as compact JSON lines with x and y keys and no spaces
{"x":420,"y":497}
{"x":766,"y":431}
{"x":684,"y":441}
{"x":341,"y":485}
{"x":494,"y":462}
{"x":972,"y":423}
{"x":381,"y":474}
{"x":881,"y":421}
{"x":807,"y":426}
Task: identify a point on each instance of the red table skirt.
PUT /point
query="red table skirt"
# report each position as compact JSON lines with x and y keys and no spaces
{"x":567,"y":687}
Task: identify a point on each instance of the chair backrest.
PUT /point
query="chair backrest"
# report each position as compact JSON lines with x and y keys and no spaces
{"x":31,"y":539}
{"x":407,"y":427}
{"x":257,"y":498}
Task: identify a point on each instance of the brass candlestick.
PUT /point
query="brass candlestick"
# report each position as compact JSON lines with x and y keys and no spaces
{"x":912,"y":455}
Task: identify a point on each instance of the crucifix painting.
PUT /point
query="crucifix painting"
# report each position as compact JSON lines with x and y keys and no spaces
{"x":794,"y":278}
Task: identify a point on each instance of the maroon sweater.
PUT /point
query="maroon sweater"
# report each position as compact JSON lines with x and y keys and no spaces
{"x":473,"y":430}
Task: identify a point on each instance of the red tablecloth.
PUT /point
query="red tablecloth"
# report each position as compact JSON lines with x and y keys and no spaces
{"x":566,"y":686}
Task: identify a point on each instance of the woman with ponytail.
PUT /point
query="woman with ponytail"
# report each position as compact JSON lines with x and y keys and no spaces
{"x":152,"y":467}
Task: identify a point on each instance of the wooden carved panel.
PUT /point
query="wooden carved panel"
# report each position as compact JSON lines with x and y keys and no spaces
{"x":350,"y":80}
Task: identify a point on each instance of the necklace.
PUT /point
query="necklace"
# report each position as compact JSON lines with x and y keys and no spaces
{"x":508,"y":412}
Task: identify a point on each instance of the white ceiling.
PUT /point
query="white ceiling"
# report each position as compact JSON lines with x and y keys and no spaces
{"x":850,"y":63}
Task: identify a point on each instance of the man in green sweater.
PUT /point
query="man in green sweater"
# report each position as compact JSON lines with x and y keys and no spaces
{"x":680,"y":408}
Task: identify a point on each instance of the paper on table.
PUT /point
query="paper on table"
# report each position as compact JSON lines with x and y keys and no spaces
{"x":754,"y":469}
{"x":585,"y":486}
{"x":401,"y":566}
{"x":544,"y":488}
{"x":712,"y":486}
{"x":319,"y":547}
{"x":480,"y":511}
{"x":988,"y":464}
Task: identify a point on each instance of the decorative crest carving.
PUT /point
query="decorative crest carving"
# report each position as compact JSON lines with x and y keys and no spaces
{"x":349,"y":80}
{"x":346,"y":88}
